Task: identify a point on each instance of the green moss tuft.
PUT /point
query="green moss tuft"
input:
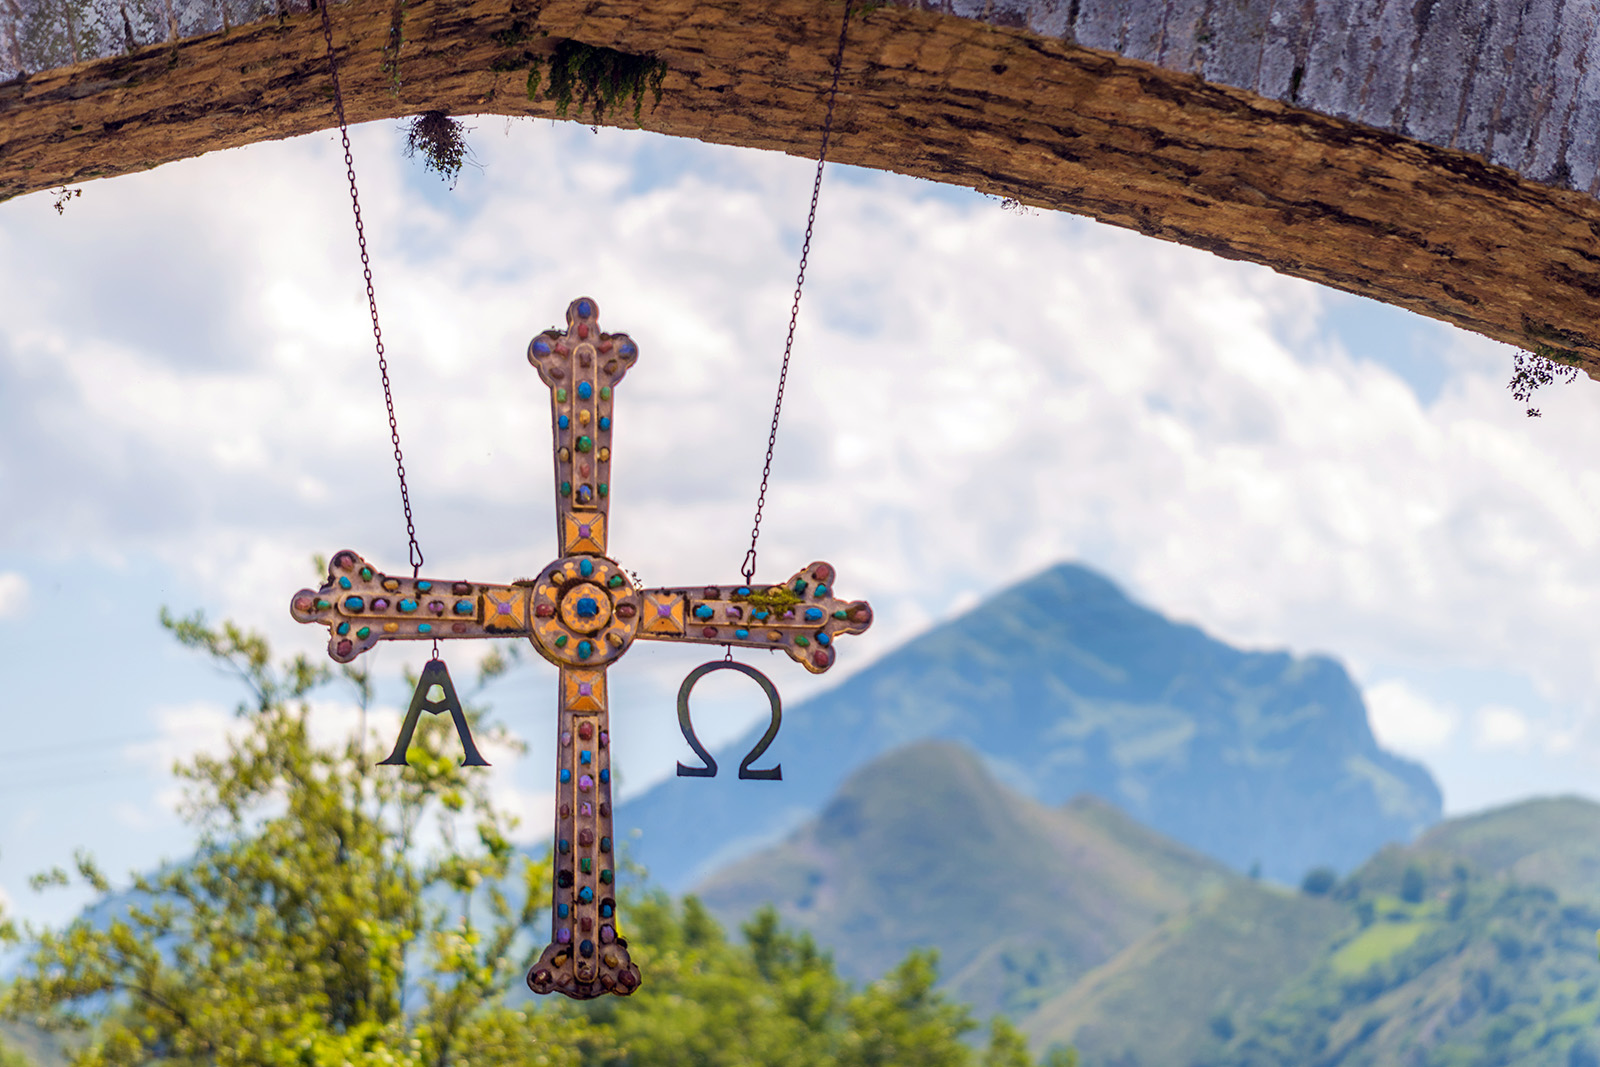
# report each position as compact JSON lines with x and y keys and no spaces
{"x":598,"y":80}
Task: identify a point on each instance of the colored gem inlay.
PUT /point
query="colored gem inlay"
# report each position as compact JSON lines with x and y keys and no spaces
{"x":344,"y":583}
{"x":354,"y":603}
{"x":586,"y":894}
{"x":363,"y":632}
{"x":586,"y":567}
{"x":586,"y":729}
{"x":566,"y":774}
{"x":605,"y":392}
{"x":585,"y":443}
{"x":342,"y":629}
{"x":585,"y":390}
{"x":585,"y":783}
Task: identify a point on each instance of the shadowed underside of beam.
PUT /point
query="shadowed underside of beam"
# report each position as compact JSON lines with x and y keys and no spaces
{"x":1000,"y":98}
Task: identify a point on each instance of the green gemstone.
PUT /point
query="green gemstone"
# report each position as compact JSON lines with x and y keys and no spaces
{"x":802,"y":641}
{"x":841,"y":614}
{"x":561,"y":640}
{"x":566,"y":488}
{"x":605,"y":876}
{"x":364,"y":632}
{"x":366,"y":574}
{"x":561,"y":396}
{"x":614,"y":581}
{"x":799,"y":585}
{"x":585,"y":443}
{"x":605,"y":392}
{"x":605,"y":490}
{"x":586,"y":865}
{"x":323,"y":605}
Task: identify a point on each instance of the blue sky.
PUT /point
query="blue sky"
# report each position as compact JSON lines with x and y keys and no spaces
{"x":192,"y":410}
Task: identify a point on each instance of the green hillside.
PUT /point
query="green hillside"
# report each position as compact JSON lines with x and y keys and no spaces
{"x":924,"y":847}
{"x":1193,"y":982}
{"x":1473,"y":946}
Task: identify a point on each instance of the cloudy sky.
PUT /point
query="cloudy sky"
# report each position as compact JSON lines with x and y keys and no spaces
{"x":192,"y":409}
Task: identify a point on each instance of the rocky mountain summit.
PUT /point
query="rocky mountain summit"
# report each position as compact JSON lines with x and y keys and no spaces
{"x":1064,"y":686}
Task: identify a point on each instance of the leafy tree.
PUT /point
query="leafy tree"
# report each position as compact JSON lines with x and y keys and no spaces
{"x":335,"y":917}
{"x":288,"y":936}
{"x":1319,"y":881}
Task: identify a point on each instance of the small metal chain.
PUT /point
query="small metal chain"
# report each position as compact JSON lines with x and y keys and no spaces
{"x":749,"y":567}
{"x":415,"y":553}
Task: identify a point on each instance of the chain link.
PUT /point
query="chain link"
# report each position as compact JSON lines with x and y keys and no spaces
{"x":414,"y":554}
{"x":748,"y":569}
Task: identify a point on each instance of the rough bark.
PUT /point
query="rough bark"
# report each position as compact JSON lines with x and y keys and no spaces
{"x":1004,"y":109}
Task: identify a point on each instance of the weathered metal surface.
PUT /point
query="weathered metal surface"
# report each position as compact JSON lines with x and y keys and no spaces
{"x":581,"y":613}
{"x":1441,"y":157}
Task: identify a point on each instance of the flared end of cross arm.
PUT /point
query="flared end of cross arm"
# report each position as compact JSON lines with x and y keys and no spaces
{"x":583,"y":354}
{"x":360,"y":606}
{"x":584,"y":970}
{"x":801,"y":617}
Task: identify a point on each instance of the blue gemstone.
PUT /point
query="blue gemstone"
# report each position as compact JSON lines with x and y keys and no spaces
{"x":821,"y":590}
{"x":759,"y":615}
{"x":605,"y":422}
{"x":586,"y":894}
{"x":464,"y":607}
{"x":586,"y":567}
{"x":563,"y":846}
{"x":585,"y":494}
{"x":585,"y":390}
{"x":344,"y":583}
{"x":585,"y":649}
{"x":584,"y":757}
{"x":424,"y":627}
{"x":354,"y":603}
{"x":823,"y":638}
{"x":563,"y":908}
{"x":563,"y":422}
{"x":541,"y":347}
{"x":800,"y":585}
{"x":627,"y":348}
{"x":605,"y":776}
{"x":407,"y":605}
{"x":813,"y":615}
{"x":704,"y":611}
{"x":566,"y":775}
{"x":743,"y":635}
{"x":585,"y":309}
{"x":423,"y":587}
{"x":606,"y":911}
{"x":587,"y":607}
{"x":743,"y":590}
{"x":343,"y":628}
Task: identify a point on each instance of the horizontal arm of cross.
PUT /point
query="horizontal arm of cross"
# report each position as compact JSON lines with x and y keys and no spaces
{"x":801,"y":617}
{"x":362,"y":606}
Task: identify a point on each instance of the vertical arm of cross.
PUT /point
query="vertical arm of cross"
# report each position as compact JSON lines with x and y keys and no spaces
{"x":586,"y":956}
{"x":582,"y":367}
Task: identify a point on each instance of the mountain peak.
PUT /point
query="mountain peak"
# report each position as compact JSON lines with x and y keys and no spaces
{"x":1064,"y":685}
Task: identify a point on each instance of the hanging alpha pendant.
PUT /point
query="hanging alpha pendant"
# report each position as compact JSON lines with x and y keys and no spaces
{"x":435,"y":674}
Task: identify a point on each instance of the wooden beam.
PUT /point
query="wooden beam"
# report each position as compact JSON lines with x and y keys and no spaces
{"x":940,"y":96}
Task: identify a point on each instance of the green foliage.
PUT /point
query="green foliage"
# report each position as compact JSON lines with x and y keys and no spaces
{"x":598,"y":79}
{"x":442,"y":143}
{"x":10,"y":1057}
{"x":337,"y":917}
{"x":289,"y":936}
{"x":1534,"y":370}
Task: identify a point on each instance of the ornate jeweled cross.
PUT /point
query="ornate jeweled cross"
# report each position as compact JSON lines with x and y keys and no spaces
{"x":581,"y":613}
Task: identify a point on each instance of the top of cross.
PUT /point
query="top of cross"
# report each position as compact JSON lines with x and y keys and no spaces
{"x":582,"y":368}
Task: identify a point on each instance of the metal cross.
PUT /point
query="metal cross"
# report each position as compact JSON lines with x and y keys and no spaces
{"x":581,"y":613}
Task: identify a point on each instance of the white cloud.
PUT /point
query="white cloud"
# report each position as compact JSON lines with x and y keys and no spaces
{"x":13,"y":594}
{"x":974,"y":395}
{"x":1498,"y":727}
{"x":1405,"y":720}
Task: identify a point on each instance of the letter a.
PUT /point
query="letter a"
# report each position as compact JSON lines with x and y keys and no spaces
{"x":435,"y":674}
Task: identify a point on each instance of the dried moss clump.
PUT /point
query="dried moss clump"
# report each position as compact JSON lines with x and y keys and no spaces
{"x":599,"y":79}
{"x":1539,"y":368}
{"x":442,"y":143}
